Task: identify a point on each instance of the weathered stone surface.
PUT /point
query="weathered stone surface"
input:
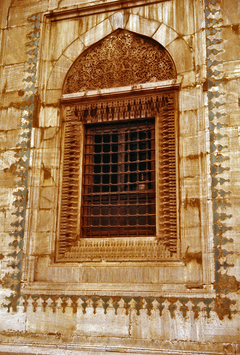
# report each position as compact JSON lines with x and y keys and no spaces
{"x":96,"y":33}
{"x":15,"y":39}
{"x":165,"y":35}
{"x":189,"y":305}
{"x":142,"y":25}
{"x":58,"y":73}
{"x":48,"y":116}
{"x":12,"y":77}
{"x":181,"y":54}
{"x":62,"y":35}
{"x":74,"y":49}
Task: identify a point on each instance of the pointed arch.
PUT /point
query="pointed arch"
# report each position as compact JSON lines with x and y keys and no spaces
{"x":122,"y":58}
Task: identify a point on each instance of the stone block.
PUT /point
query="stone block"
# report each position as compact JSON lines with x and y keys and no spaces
{"x":44,"y":272}
{"x":194,"y":271}
{"x":1,"y":46}
{"x":49,"y":322}
{"x":52,"y":95}
{"x":141,"y":25}
{"x":16,"y":38}
{"x":40,"y":244}
{"x":188,"y":123}
{"x":13,"y":76}
{"x":49,"y":176}
{"x":96,"y":33}
{"x":62,"y":34}
{"x":88,"y":23}
{"x":6,"y":197}
{"x":188,"y":79}
{"x":51,"y":137}
{"x":10,"y":118}
{"x":190,"y":239}
{"x":153,"y":12}
{"x":103,"y":325}
{"x":184,"y":24}
{"x":188,"y":99}
{"x":12,"y":322}
{"x":35,"y":159}
{"x":51,"y":159}
{"x":8,"y":179}
{"x":58,"y":73}
{"x":190,"y":187}
{"x":167,"y":13}
{"x":4,"y":8}
{"x":74,"y":50}
{"x":217,"y":330}
{"x":231,"y":44}
{"x":119,"y":20}
{"x":8,"y":142}
{"x":45,"y":220}
{"x":47,"y":197}
{"x":2,"y":221}
{"x":189,"y":147}
{"x":165,"y":35}
{"x":199,"y":49}
{"x":52,"y":4}
{"x":145,"y":326}
{"x":229,"y":16}
{"x":190,"y":166}
{"x":49,"y":116}
{"x":181,"y":54}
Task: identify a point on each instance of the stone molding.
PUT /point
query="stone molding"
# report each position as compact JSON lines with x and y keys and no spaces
{"x":58,"y":14}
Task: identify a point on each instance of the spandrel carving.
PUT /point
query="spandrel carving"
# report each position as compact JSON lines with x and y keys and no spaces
{"x":121,"y":59}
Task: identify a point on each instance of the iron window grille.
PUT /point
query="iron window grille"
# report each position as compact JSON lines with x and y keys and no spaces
{"x":119,"y":180}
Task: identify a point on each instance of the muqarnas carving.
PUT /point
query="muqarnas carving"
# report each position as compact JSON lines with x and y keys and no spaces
{"x":123,"y":58}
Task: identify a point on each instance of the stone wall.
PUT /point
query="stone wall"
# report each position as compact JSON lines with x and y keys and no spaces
{"x":189,"y":305}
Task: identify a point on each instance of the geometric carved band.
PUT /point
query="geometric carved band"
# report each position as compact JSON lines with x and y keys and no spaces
{"x":118,"y":249}
{"x":125,"y":109}
{"x":71,"y":246}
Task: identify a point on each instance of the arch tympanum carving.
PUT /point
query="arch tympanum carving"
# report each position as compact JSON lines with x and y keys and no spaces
{"x":123,"y":58}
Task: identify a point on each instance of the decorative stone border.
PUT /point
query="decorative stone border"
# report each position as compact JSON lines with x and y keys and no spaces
{"x":222,"y":305}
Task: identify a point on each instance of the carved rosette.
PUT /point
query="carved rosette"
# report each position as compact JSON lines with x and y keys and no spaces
{"x":120,"y":59}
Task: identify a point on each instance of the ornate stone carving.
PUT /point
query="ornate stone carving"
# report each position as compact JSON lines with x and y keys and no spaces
{"x":71,"y":247}
{"x":118,"y":249}
{"x":121,"y":59}
{"x":125,"y":109}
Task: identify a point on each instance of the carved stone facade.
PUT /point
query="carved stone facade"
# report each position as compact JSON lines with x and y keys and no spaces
{"x":122,"y":58}
{"x":69,"y":65}
{"x":164,"y":243}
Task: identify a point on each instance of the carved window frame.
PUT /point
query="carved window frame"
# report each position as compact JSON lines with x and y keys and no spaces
{"x":191,"y":275}
{"x":165,"y":244}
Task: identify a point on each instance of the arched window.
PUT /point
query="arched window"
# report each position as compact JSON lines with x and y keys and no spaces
{"x":119,"y":185}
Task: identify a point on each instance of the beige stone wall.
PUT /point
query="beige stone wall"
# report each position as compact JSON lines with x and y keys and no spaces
{"x":187,"y":306}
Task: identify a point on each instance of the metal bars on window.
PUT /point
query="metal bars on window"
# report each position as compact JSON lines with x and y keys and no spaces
{"x":119,"y":180}
{"x":124,"y":183}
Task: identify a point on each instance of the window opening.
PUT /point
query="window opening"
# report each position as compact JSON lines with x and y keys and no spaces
{"x":119,"y":180}
{"x":119,"y":183}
